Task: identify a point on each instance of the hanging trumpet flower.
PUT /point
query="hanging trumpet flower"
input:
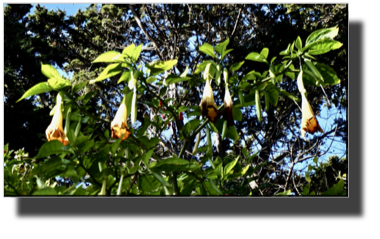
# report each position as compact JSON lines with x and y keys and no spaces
{"x":55,"y":129}
{"x":208,"y":106}
{"x":309,"y":123}
{"x":119,"y":124}
{"x":227,"y":111}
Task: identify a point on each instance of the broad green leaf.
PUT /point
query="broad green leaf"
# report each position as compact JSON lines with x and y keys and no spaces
{"x":232,"y":133}
{"x":315,"y":160}
{"x":272,"y":93}
{"x":314,"y":70}
{"x":51,"y":147}
{"x":124,"y":77}
{"x":136,"y":53}
{"x":158,"y":67}
{"x":189,"y":187}
{"x":221,"y":47}
{"x":286,"y":193}
{"x":51,"y":165}
{"x":322,"y":46}
{"x":190,"y":127}
{"x":129,"y":50}
{"x":334,"y":190}
{"x":207,"y":49}
{"x":212,"y":188}
{"x":85,"y":146}
{"x":47,"y":191}
{"x":148,"y":183}
{"x":36,"y":89}
{"x":58,"y":83}
{"x":174,"y":164}
{"x":49,"y":71}
{"x":307,"y":177}
{"x":79,"y":86}
{"x":147,"y":156}
{"x":328,"y":74}
{"x":289,"y":74}
{"x":315,"y":36}
{"x":264,"y":52}
{"x":151,"y":79}
{"x":254,"y":56}
{"x":285,"y":52}
{"x":161,"y":179}
{"x":202,"y":66}
{"x":175,"y":79}
{"x":109,"y":71}
{"x":144,"y":127}
{"x":230,"y":166}
{"x":182,"y":108}
{"x":236,"y":112}
{"x":109,"y":56}
{"x":299,"y":43}
{"x":236,"y":66}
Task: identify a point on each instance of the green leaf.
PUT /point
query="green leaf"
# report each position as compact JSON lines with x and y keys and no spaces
{"x":207,"y":49}
{"x":86,"y":145}
{"x":287,"y":94}
{"x":299,"y":43}
{"x":147,"y":156}
{"x":236,"y":112}
{"x":334,"y":190}
{"x":58,"y":83}
{"x":254,"y":56}
{"x":307,"y":177}
{"x":182,"y":108}
{"x":158,"y":67}
{"x":264,"y":53}
{"x":272,"y":93}
{"x":171,"y":79}
{"x":230,"y":166}
{"x":236,"y":66}
{"x":50,"y":168}
{"x":51,"y":147}
{"x":285,"y":52}
{"x":147,"y":183}
{"x":190,"y":127}
{"x":151,"y":79}
{"x":212,"y":188}
{"x":328,"y":74}
{"x":322,"y":46}
{"x":225,"y":53}
{"x":221,"y":47}
{"x":318,"y":35}
{"x":286,"y":193}
{"x":232,"y":133}
{"x":315,"y":71}
{"x":136,"y":53}
{"x":79,"y":86}
{"x":47,"y":191}
{"x":124,"y":77}
{"x":36,"y":89}
{"x":49,"y":71}
{"x":129,"y":50}
{"x":174,"y":164}
{"x":109,"y":71}
{"x":161,"y":179}
{"x":109,"y":56}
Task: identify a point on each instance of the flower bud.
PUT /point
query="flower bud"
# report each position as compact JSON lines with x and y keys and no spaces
{"x":309,"y":123}
{"x":227,"y":111}
{"x":55,"y":130}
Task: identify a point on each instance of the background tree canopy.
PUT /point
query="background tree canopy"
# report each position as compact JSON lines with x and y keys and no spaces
{"x":270,"y":142}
